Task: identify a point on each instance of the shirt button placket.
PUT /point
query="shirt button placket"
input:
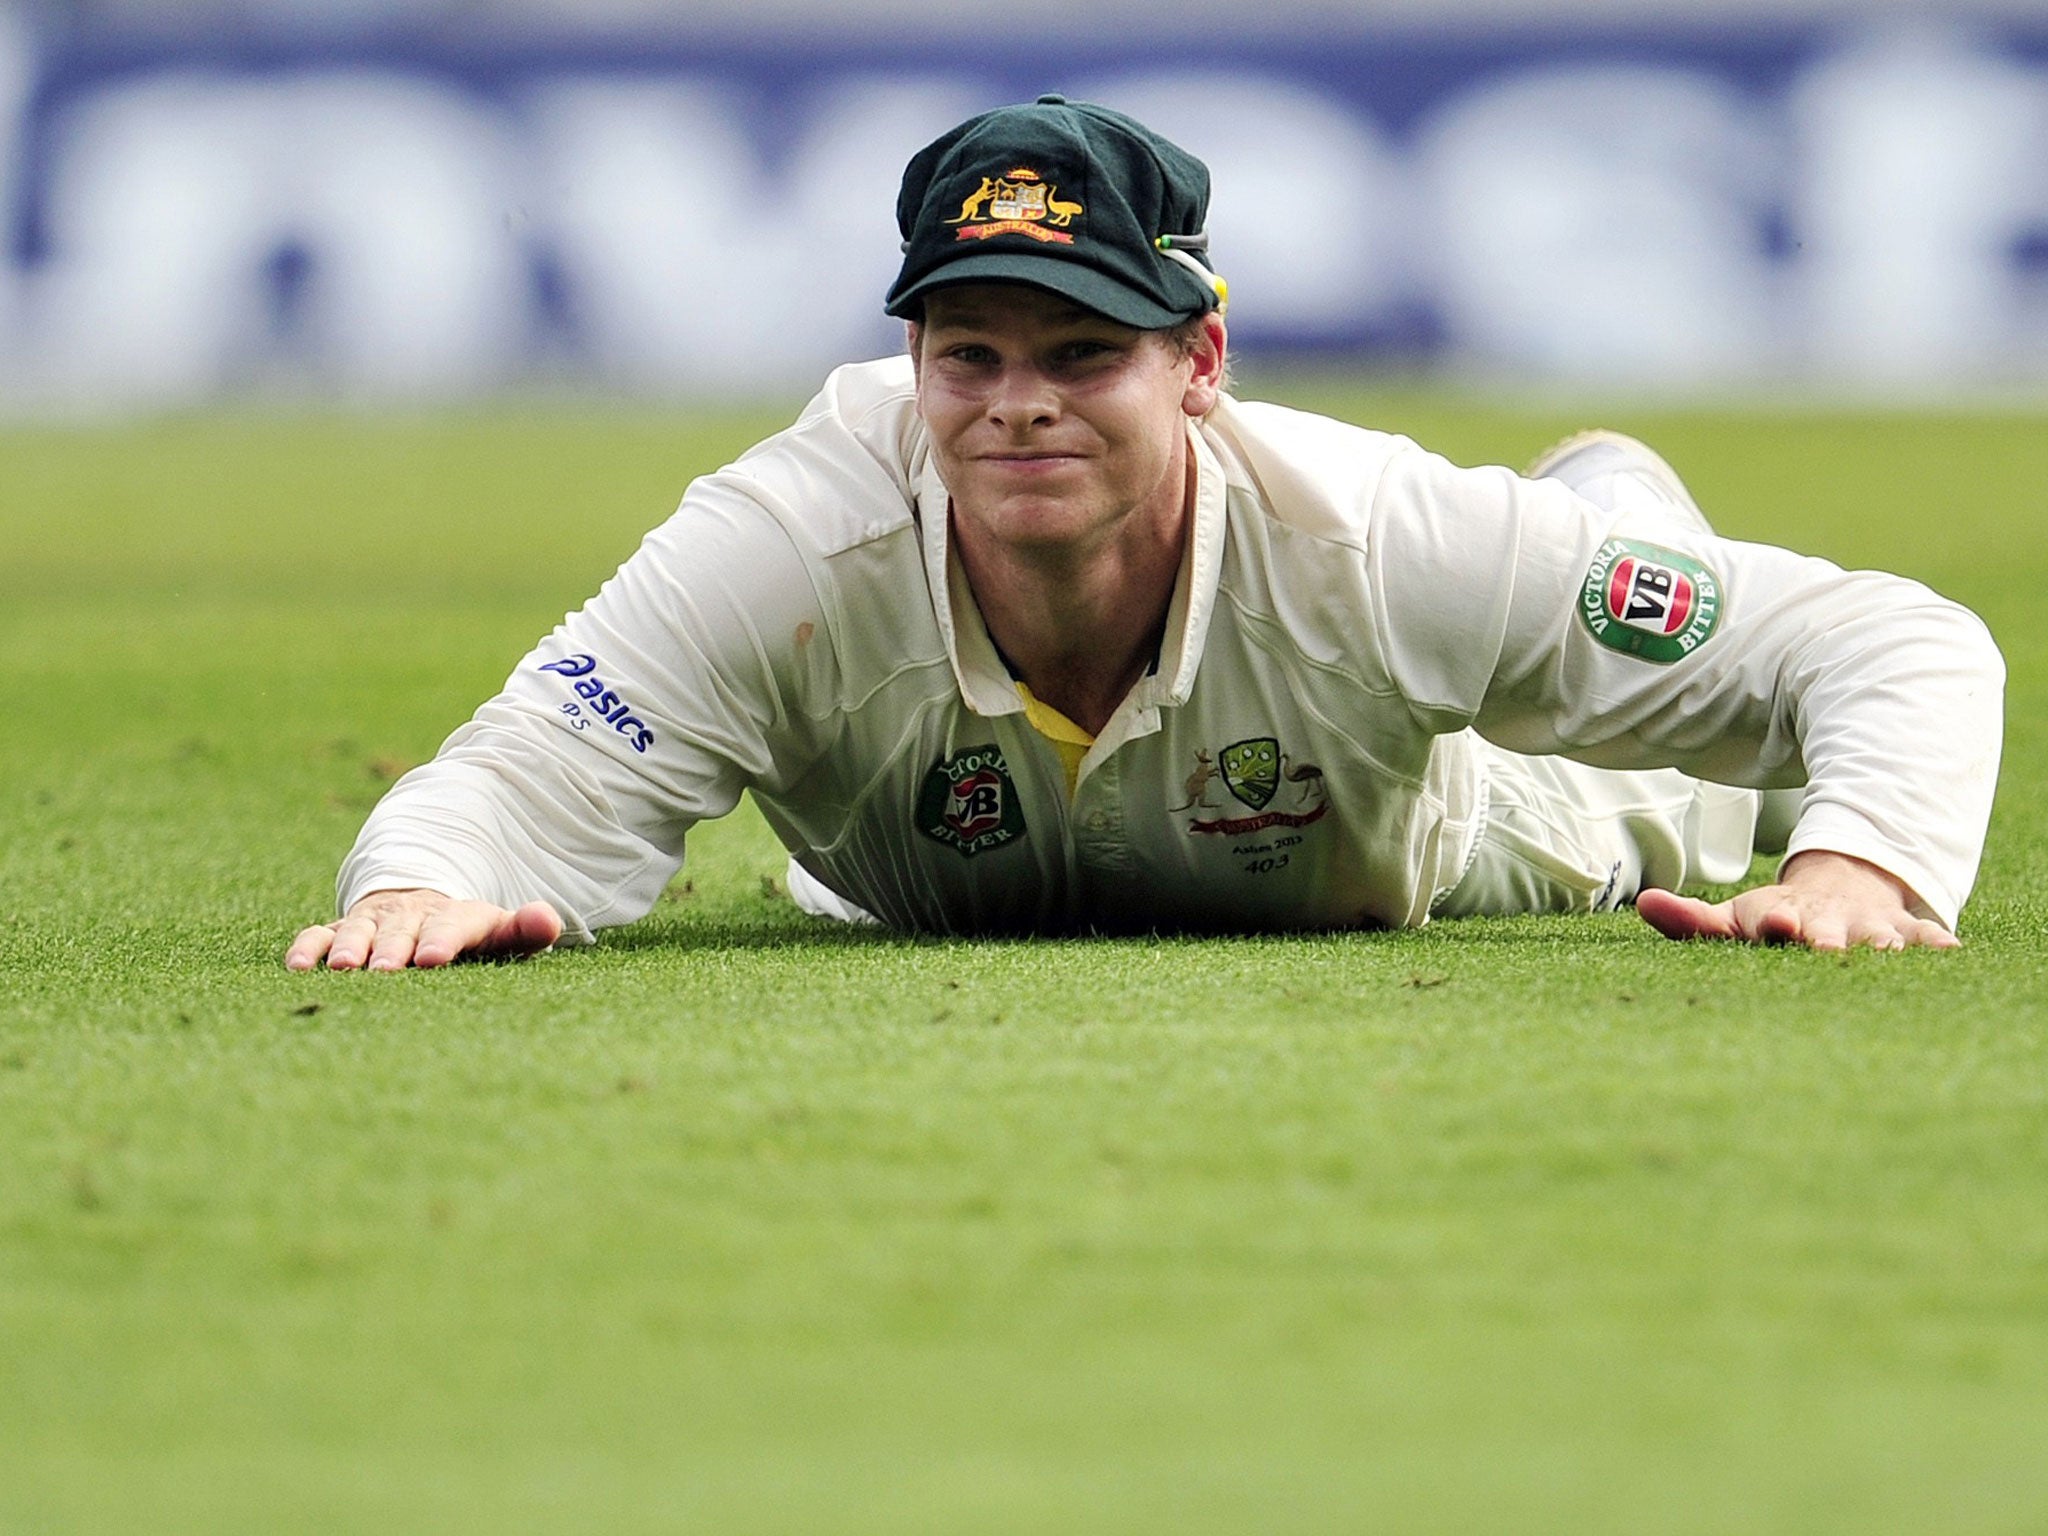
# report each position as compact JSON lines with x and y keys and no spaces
{"x":1099,"y":821}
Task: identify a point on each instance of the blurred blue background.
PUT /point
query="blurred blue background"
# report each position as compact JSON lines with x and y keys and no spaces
{"x":367,"y":200}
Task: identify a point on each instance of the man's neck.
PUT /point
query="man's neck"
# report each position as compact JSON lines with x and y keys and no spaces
{"x":1080,"y":627}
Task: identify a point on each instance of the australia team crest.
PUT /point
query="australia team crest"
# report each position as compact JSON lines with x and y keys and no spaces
{"x":969,"y":802}
{"x":1255,"y":771}
{"x":1017,"y":202}
{"x":1251,"y":770}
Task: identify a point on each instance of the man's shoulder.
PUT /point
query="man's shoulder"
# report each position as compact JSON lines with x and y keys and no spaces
{"x":844,"y":473}
{"x":1309,"y":471}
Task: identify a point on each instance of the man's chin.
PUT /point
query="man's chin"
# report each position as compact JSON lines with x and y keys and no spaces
{"x":1026,"y":480}
{"x":1054,"y":507}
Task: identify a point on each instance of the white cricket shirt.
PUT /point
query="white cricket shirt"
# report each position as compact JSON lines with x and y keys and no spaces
{"x":1350,"y":610}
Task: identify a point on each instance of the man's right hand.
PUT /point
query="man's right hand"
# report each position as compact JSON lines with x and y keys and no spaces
{"x":389,"y":930}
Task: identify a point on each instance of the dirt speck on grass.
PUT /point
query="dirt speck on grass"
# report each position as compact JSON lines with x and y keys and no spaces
{"x":315,"y":1259}
{"x":84,"y":1186}
{"x":307,"y":1010}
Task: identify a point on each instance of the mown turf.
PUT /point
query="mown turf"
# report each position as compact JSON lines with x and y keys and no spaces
{"x":739,"y":1224}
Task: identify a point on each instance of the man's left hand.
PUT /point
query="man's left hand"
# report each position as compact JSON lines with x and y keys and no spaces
{"x":1823,"y":900}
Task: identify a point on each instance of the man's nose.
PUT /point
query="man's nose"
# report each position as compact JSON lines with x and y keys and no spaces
{"x":1023,"y":398}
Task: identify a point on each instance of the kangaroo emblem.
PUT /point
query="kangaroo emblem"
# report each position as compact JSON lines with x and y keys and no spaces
{"x":975,"y":199}
{"x":1197,"y":786}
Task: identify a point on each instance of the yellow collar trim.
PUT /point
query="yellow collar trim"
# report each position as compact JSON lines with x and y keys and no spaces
{"x":1068,"y":739}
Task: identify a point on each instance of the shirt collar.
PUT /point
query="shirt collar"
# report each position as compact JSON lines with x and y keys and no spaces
{"x":986,"y":684}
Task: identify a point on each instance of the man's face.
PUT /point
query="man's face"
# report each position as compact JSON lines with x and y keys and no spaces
{"x":1050,"y":423}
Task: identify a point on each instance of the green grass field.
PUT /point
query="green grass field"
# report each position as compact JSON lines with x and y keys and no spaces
{"x":739,"y":1224}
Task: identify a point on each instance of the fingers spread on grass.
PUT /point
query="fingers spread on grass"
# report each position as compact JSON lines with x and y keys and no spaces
{"x":1686,"y":917}
{"x":353,"y":936}
{"x":309,"y":948}
{"x":379,"y":931}
{"x":1921,"y":933}
{"x":389,"y":930}
{"x":1776,"y":914}
{"x":398,"y":931}
{"x":1909,"y":933}
{"x":479,"y":928}
{"x":534,"y":927}
{"x":450,"y":933}
{"x":1769,"y":916}
{"x":1826,"y":929}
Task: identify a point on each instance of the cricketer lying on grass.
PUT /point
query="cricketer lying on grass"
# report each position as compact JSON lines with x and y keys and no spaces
{"x":1037,"y":630}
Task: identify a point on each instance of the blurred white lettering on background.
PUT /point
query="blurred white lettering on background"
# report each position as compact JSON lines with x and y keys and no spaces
{"x":1849,"y":215}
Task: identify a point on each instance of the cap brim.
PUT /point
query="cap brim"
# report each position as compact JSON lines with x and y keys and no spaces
{"x":1069,"y":279}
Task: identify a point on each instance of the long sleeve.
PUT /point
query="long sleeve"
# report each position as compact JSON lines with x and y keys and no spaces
{"x":648,"y":710}
{"x":1495,"y":606}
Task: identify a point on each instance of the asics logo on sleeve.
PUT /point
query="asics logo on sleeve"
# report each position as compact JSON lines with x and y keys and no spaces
{"x":601,"y":702}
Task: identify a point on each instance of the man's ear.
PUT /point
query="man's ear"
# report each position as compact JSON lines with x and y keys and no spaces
{"x":913,"y":335}
{"x":1205,"y":382}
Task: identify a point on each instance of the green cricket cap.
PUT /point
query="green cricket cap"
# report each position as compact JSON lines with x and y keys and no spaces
{"x":1066,"y":196}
